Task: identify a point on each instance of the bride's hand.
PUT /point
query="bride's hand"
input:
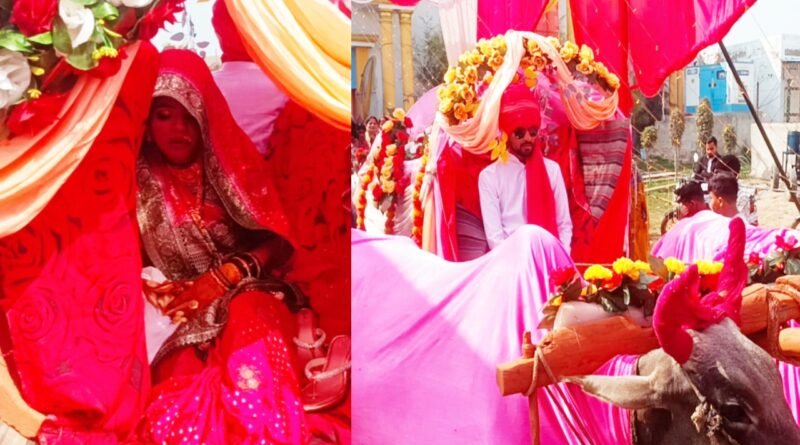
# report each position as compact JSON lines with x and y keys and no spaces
{"x":161,"y":295}
{"x":209,"y":286}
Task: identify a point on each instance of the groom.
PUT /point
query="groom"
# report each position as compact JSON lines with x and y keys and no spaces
{"x":526,"y":188}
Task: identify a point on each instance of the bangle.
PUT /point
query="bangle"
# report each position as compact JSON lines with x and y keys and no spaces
{"x":221,"y":278}
{"x":242,"y":265}
{"x":252,"y":263}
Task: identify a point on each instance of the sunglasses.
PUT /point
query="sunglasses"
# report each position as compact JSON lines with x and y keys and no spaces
{"x":519,"y":133}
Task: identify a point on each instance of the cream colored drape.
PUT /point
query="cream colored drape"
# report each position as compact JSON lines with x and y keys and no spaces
{"x":304,"y":46}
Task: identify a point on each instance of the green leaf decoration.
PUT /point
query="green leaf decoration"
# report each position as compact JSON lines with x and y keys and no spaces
{"x":81,"y":57}
{"x":105,"y":11}
{"x":61,"y":41}
{"x":14,"y":41}
{"x":86,"y":2}
{"x":45,"y":38}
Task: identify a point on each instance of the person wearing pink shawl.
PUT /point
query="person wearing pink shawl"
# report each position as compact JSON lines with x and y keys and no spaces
{"x":254,"y":99}
{"x":525,"y":188}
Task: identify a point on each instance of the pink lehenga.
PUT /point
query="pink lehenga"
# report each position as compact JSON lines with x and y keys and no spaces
{"x":226,"y":376}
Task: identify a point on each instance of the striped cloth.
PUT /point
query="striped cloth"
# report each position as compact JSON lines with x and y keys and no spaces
{"x":602,"y":153}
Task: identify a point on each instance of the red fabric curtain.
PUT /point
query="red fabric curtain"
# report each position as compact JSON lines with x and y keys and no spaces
{"x":659,"y":37}
{"x":498,"y":16}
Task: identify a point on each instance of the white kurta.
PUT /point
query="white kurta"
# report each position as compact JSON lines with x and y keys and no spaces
{"x":503,"y":194}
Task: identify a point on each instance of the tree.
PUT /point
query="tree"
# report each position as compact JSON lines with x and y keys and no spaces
{"x":677,"y":124}
{"x":729,"y":138}
{"x":649,"y":137}
{"x":705,"y":123}
{"x":430,"y":61}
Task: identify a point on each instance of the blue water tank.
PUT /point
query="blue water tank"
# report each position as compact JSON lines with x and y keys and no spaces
{"x":793,"y":141}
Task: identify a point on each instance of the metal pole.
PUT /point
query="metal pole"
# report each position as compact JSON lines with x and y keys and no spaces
{"x":781,"y":173}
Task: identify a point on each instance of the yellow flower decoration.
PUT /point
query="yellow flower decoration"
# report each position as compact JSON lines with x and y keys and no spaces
{"x":499,"y":148}
{"x":531,"y":77}
{"x":585,"y":68}
{"x":554,"y":43}
{"x":450,"y":75}
{"x":446,"y":105}
{"x":467,"y":93}
{"x":484,"y":47}
{"x":586,"y":53}
{"x":391,"y":150}
{"x":387,"y":126}
{"x":643,"y":266}
{"x":471,"y":74}
{"x":709,"y":267}
{"x":613,"y":81}
{"x":626,"y":266}
{"x":569,"y":51}
{"x":496,"y":61}
{"x":460,"y":111}
{"x":674,"y":265}
{"x":399,"y":114}
{"x":539,"y":61}
{"x":476,"y":58}
{"x":533,"y":47}
{"x":597,"y":272}
{"x":602,"y":70}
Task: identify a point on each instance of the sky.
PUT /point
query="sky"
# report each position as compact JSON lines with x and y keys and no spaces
{"x":766,"y":17}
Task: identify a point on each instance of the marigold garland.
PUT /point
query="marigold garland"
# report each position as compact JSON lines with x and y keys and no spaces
{"x":459,"y":95}
{"x":417,"y":215}
{"x":387,"y":167}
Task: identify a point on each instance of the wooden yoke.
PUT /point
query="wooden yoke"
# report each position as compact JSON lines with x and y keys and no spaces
{"x":580,"y":350}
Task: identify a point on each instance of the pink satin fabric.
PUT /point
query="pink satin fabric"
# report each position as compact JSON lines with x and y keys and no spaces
{"x":498,"y":16}
{"x":705,"y":236}
{"x":425,"y":345}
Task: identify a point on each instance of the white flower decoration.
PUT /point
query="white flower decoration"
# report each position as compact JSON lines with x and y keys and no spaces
{"x":130,"y":3}
{"x":15,"y":76}
{"x":79,"y":21}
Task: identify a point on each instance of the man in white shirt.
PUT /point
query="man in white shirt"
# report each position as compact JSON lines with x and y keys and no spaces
{"x":527,"y":188}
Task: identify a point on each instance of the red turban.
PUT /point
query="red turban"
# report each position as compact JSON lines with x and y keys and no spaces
{"x":519,"y":108}
{"x":229,"y":40}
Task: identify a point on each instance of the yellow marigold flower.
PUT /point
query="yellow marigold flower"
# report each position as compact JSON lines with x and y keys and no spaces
{"x":389,"y":186}
{"x":585,"y":68}
{"x":586,"y":53}
{"x":643,"y":266}
{"x":613,"y":81}
{"x":467,"y":93}
{"x":533,"y":47}
{"x":475,"y":57}
{"x":387,"y":126}
{"x":484,"y":47}
{"x":460,"y":111}
{"x":449,"y":76}
{"x":499,"y":43}
{"x":33,"y":93}
{"x":471,"y":74}
{"x":623,"y":266}
{"x":709,"y":267}
{"x":496,"y":61}
{"x":399,"y":114}
{"x":539,"y":61}
{"x":499,"y":148}
{"x":391,"y":150}
{"x":569,"y":51}
{"x":602,"y":70}
{"x":531,"y":77}
{"x":445,"y":105}
{"x":674,"y":265}
{"x":554,"y":43}
{"x":597,"y":272}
